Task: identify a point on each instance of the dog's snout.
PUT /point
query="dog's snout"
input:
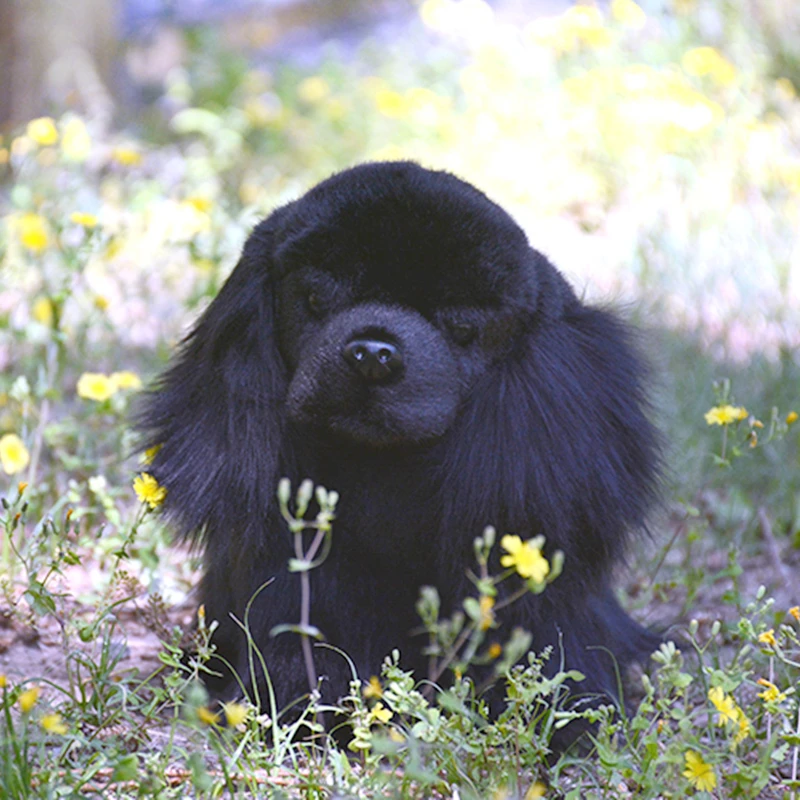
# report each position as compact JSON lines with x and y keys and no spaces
{"x":374,"y":360}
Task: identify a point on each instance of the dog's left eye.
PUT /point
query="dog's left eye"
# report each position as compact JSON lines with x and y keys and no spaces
{"x":315,"y":303}
{"x":462,"y":333}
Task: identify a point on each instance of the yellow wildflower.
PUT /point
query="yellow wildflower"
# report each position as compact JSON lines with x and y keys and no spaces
{"x":3,"y":681}
{"x":744,"y":727}
{"x":730,"y":713}
{"x":584,"y":25}
{"x":42,"y":311}
{"x":313,"y":90}
{"x":27,"y":700}
{"x":699,"y":773}
{"x":724,"y":415}
{"x":495,"y":650}
{"x":791,"y":418}
{"x":628,"y":13}
{"x":207,"y":716}
{"x":525,"y":557}
{"x":768,"y":638}
{"x":379,"y":714}
{"x":148,"y":490}
{"x":33,"y":232}
{"x":725,"y":704}
{"x":75,"y":140}
{"x":373,"y":688}
{"x":54,"y":723}
{"x":21,"y":487}
{"x":101,"y":302}
{"x":795,"y":612}
{"x":96,"y":386}
{"x":14,"y":455}
{"x":536,"y":791}
{"x":706,"y":61}
{"x":150,"y":454}
{"x":126,"y":156}
{"x":486,"y":605}
{"x":235,"y":713}
{"x":390,"y":103}
{"x":126,"y":380}
{"x":82,"y":218}
{"x":43,"y":131}
{"x":771,"y":693}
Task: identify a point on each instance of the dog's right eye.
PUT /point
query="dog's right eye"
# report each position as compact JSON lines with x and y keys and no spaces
{"x":315,"y":304}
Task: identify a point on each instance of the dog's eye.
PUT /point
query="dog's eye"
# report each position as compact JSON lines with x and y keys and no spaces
{"x":462,"y":333}
{"x":314,"y":303}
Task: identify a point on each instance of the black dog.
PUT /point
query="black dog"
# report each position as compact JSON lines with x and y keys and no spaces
{"x":393,"y":336}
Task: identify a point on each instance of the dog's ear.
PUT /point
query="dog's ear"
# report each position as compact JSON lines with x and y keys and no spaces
{"x":216,"y":414}
{"x":556,"y":439}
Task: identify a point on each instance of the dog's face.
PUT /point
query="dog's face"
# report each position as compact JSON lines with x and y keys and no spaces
{"x":397,"y":288}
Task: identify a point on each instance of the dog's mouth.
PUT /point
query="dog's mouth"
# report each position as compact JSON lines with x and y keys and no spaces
{"x":368,"y":420}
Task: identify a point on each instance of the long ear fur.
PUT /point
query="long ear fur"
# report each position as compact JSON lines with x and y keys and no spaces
{"x":557,"y":440}
{"x":216,"y":413}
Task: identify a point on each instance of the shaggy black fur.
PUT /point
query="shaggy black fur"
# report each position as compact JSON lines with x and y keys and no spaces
{"x":485,"y":392}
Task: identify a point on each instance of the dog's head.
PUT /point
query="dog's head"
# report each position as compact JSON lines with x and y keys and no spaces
{"x":396,"y":307}
{"x":395,"y":289}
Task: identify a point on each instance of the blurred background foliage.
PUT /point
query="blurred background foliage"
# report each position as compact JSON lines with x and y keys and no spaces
{"x":651,"y":149}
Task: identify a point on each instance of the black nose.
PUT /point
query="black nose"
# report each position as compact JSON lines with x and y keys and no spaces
{"x":374,"y":360}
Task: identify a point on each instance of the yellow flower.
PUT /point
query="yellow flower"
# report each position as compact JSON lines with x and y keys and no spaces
{"x":96,"y":386}
{"x":54,"y":723}
{"x":536,"y":791}
{"x":486,"y":604}
{"x":706,"y":61}
{"x":27,"y":700}
{"x":207,"y":716}
{"x":379,"y":714}
{"x":75,"y":140}
{"x":43,"y":131}
{"x":3,"y":681}
{"x":584,"y":24}
{"x":313,"y":90}
{"x":730,"y":713}
{"x":235,"y":713}
{"x":82,"y":218}
{"x":33,"y":232}
{"x":744,"y":727}
{"x":373,"y":688}
{"x":126,"y":380}
{"x":391,"y":103}
{"x":768,"y":638}
{"x":21,"y":487}
{"x":495,"y":650}
{"x":628,"y":13}
{"x":148,"y":490}
{"x":699,"y":773}
{"x":725,"y":704}
{"x":525,"y":557}
{"x":126,"y":156}
{"x":101,"y":302}
{"x":42,"y":311}
{"x":791,"y":417}
{"x":150,"y":454}
{"x":724,"y":415}
{"x":14,"y":455}
{"x":771,"y":693}
{"x":795,"y":612}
